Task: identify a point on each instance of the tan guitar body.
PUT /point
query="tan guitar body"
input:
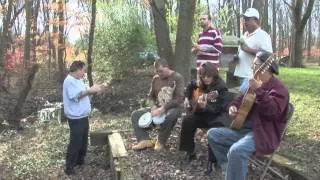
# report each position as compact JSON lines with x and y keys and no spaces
{"x":249,"y":98}
{"x":245,"y":107}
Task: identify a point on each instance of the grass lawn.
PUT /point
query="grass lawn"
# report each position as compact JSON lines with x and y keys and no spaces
{"x":38,"y":152}
{"x":302,"y":143}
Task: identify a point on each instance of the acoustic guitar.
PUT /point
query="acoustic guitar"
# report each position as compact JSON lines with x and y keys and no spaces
{"x":249,"y":97}
{"x":198,"y":93}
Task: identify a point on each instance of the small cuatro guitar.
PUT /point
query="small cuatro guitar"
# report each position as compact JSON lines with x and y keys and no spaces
{"x":249,"y":97}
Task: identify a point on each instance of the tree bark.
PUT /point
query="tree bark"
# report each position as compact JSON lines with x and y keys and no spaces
{"x":274,"y":25}
{"x":182,"y":60}
{"x":162,"y":31}
{"x":299,"y":23}
{"x":16,"y":114}
{"x":260,"y":6}
{"x":61,"y":43}
{"x":27,"y":37}
{"x":91,"y":38}
{"x":309,"y":38}
{"x":4,"y":36}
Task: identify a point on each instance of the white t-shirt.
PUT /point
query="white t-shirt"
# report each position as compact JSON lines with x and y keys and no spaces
{"x":259,"y":39}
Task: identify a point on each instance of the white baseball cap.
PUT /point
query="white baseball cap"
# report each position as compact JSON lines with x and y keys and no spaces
{"x":251,"y":12}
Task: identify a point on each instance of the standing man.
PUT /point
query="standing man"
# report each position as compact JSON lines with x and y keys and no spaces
{"x":262,"y":129}
{"x":166,"y":96}
{"x":253,"y":40}
{"x":77,"y":107}
{"x":209,"y":46}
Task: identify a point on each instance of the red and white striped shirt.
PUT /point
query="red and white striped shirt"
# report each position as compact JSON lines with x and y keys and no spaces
{"x":210,"y":38}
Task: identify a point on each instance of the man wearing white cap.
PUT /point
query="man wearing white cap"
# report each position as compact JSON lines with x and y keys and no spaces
{"x":253,"y":40}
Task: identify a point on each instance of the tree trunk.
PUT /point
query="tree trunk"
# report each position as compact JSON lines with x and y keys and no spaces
{"x":34,"y":24}
{"x":260,"y":6}
{"x":182,"y":60}
{"x":27,"y":39}
{"x":16,"y":114}
{"x":238,"y":18}
{"x":299,"y":23}
{"x":91,"y":38}
{"x":162,"y":30}
{"x":55,"y":31}
{"x":46,"y":16}
{"x":274,"y":26}
{"x":309,"y":37}
{"x":4,"y":36}
{"x":61,"y":44}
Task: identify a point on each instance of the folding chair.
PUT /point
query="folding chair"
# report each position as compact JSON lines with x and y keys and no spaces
{"x":266,"y":165}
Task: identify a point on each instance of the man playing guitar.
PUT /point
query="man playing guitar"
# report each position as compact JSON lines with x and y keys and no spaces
{"x":261,"y":131}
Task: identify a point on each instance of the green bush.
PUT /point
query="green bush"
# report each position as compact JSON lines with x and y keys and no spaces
{"x":120,"y":36}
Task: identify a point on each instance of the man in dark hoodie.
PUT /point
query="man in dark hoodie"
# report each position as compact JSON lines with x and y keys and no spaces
{"x":261,"y":132}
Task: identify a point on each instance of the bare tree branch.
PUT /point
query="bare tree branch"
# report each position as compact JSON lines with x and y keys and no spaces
{"x":285,"y":2}
{"x":16,"y":14}
{"x":307,"y":13}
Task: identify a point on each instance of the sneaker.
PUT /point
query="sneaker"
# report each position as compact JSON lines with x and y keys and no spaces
{"x":159,"y":146}
{"x":144,"y":144}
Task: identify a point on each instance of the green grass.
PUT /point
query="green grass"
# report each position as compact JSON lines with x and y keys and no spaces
{"x":304,"y":88}
{"x":302,"y":141}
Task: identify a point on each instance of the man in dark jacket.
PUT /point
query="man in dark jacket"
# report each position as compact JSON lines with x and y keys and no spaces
{"x":208,"y":110}
{"x":261,"y":131}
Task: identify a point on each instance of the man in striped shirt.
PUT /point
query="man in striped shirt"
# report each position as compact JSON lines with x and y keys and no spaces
{"x":209,"y":46}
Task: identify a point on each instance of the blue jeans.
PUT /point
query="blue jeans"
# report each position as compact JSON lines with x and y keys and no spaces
{"x":244,"y":85}
{"x":232,"y":150}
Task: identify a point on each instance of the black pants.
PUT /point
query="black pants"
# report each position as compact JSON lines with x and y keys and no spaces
{"x":198,"y":120}
{"x":77,"y":148}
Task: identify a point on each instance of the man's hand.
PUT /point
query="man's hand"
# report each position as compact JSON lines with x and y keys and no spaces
{"x":96,"y":88}
{"x":212,"y":96}
{"x":202,"y":101}
{"x":157,"y":111}
{"x":195,"y":49}
{"x":233,"y":111}
{"x":186,"y":103}
{"x":254,"y":84}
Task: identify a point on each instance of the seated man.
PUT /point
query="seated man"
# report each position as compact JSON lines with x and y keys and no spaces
{"x":166,"y":95}
{"x":208,"y":110}
{"x":262,"y":128}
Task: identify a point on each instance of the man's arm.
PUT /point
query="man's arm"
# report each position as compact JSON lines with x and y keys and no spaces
{"x":178,"y":94}
{"x":151,"y":95}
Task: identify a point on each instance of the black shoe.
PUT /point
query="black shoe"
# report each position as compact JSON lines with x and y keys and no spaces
{"x":190,"y":156}
{"x":69,"y":171}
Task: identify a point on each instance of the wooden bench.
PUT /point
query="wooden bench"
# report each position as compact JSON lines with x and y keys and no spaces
{"x":118,"y":155}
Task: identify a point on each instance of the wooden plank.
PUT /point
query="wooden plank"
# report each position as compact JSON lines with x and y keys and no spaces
{"x":119,"y":159}
{"x":279,"y":159}
{"x":116,"y":145}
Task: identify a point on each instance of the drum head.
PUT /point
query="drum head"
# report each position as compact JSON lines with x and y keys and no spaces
{"x":159,"y":119}
{"x":145,"y":120}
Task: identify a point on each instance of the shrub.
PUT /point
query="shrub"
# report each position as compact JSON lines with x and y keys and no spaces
{"x":120,"y":36}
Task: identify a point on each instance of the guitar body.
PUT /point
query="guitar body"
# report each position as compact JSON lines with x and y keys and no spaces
{"x":250,"y":97}
{"x":194,"y":101}
{"x":244,"y":109}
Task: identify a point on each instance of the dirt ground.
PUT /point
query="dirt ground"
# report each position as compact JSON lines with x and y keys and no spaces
{"x":114,"y":108}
